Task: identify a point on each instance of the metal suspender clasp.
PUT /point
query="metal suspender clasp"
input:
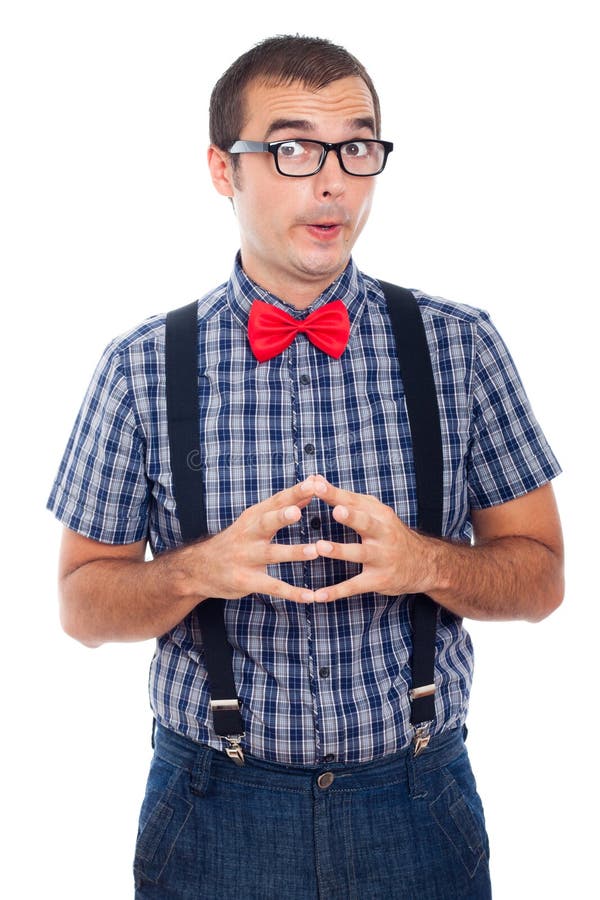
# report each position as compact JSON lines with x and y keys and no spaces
{"x":235,"y":752}
{"x":421,"y":739}
{"x":223,"y":706}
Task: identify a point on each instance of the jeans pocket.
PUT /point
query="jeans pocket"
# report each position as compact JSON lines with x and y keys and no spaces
{"x":162,"y":819}
{"x":458,"y":811}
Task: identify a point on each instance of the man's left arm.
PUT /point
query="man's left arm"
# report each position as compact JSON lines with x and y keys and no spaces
{"x":514,"y":570}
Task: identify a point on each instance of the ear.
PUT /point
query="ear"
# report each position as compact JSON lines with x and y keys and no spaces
{"x":220,"y":170}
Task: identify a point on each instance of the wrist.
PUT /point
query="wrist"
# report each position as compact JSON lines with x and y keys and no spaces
{"x":186,"y":570}
{"x":435,"y":565}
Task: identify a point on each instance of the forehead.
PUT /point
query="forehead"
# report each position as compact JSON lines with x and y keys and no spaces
{"x":339,"y":104}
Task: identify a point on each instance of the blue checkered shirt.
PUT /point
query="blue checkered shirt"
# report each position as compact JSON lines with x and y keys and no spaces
{"x":317,"y":682}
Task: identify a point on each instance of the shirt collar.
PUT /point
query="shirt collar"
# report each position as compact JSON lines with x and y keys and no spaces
{"x":242,"y":291}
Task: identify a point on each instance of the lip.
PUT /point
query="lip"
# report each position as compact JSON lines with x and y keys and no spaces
{"x":324,"y":231}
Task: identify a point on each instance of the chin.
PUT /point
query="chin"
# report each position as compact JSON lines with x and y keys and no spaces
{"x":321,"y":267}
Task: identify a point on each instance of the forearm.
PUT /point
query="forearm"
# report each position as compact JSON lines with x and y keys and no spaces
{"x":109,"y":593}
{"x":501,"y":579}
{"x":125,"y":600}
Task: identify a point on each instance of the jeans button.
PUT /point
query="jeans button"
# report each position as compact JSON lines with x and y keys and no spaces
{"x":326,"y":779}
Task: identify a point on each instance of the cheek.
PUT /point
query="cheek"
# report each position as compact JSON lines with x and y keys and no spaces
{"x":363,"y":208}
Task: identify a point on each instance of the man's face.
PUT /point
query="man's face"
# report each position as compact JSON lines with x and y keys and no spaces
{"x":297,"y":234}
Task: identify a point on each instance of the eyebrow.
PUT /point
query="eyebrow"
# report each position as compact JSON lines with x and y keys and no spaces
{"x":307,"y":125}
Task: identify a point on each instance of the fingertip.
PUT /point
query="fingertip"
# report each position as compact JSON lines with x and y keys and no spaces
{"x":291,"y":513}
{"x":321,"y":596}
{"x":341,"y":512}
{"x":324,"y":546}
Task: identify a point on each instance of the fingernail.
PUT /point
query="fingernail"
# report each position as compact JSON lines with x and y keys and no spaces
{"x":321,"y":596}
{"x":307,"y":484}
{"x":342,"y":512}
{"x":307,"y":596}
{"x":310,"y":550}
{"x":320,"y":486}
{"x":289,"y":512}
{"x":325,"y":546}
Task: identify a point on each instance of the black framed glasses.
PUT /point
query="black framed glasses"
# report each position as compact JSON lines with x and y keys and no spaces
{"x":298,"y":158}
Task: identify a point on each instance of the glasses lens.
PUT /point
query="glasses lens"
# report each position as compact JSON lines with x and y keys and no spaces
{"x":299,"y":157}
{"x":363,"y":157}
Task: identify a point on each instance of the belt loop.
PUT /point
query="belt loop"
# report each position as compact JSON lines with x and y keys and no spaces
{"x":414,"y":767}
{"x":200,"y":775}
{"x":412,"y":774}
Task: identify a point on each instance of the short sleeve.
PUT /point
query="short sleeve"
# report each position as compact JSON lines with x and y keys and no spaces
{"x":101,"y":490}
{"x":509,"y":454}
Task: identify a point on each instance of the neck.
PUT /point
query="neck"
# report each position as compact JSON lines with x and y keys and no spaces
{"x":295,"y":292}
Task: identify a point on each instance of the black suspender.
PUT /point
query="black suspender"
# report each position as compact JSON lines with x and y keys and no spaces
{"x":181,"y":360}
{"x":183,"y":416}
{"x":424,"y":418}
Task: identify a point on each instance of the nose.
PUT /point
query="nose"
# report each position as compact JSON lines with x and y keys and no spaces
{"x":330,"y":179}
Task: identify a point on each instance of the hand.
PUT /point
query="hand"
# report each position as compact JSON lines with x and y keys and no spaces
{"x":394,"y":558}
{"x":233,"y":563}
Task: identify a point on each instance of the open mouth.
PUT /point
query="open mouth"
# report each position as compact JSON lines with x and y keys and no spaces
{"x":324,"y":231}
{"x":325,"y":228}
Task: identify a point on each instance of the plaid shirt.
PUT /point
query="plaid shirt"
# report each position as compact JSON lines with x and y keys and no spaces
{"x":317,"y":682}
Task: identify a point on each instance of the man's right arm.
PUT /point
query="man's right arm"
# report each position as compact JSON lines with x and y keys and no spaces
{"x":108,"y":592}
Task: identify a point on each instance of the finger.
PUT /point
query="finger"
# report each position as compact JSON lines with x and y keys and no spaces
{"x":359,"y":520}
{"x":281,"y":553}
{"x":270,"y":522}
{"x":276,"y":588}
{"x":352,"y":552}
{"x":332,"y":495}
{"x":356,"y":585}
{"x":300,"y":493}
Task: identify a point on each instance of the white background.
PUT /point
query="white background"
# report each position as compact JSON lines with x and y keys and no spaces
{"x":490,"y":198}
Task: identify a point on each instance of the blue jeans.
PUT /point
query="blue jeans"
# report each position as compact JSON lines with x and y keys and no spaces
{"x":398,"y":828}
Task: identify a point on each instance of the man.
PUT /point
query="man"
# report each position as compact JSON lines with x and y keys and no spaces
{"x":309,"y":484}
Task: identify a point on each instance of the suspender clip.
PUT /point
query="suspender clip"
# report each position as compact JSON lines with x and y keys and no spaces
{"x":235,"y":752}
{"x":421,"y":739}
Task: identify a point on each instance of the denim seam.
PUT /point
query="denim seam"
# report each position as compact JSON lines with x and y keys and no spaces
{"x":482,"y":854}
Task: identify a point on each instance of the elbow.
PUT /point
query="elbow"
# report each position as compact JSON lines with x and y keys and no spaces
{"x":552,"y":599}
{"x":73,"y":624}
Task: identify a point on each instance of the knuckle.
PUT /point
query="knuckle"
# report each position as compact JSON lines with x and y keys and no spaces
{"x":271,"y":555}
{"x":278,"y":588}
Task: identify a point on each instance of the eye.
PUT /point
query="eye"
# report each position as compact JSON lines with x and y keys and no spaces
{"x":290,"y":149}
{"x":356,"y":149}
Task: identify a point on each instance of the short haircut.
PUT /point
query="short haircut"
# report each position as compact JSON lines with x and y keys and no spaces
{"x":314,"y":62}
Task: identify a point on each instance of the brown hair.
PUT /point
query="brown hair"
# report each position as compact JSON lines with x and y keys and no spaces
{"x":314,"y":62}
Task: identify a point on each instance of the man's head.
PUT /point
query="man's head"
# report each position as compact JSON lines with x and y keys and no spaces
{"x":297,"y":233}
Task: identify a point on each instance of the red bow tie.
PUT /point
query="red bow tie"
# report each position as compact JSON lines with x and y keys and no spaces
{"x":271,"y":330}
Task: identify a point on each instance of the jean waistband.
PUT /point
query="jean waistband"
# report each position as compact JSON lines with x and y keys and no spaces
{"x":180,"y":751}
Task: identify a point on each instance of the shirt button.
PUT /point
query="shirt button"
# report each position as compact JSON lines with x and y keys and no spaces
{"x":304,"y":379}
{"x":315,"y":522}
{"x":309,"y":448}
{"x":324,"y":673}
{"x":329,"y":758}
{"x":326,"y":779}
